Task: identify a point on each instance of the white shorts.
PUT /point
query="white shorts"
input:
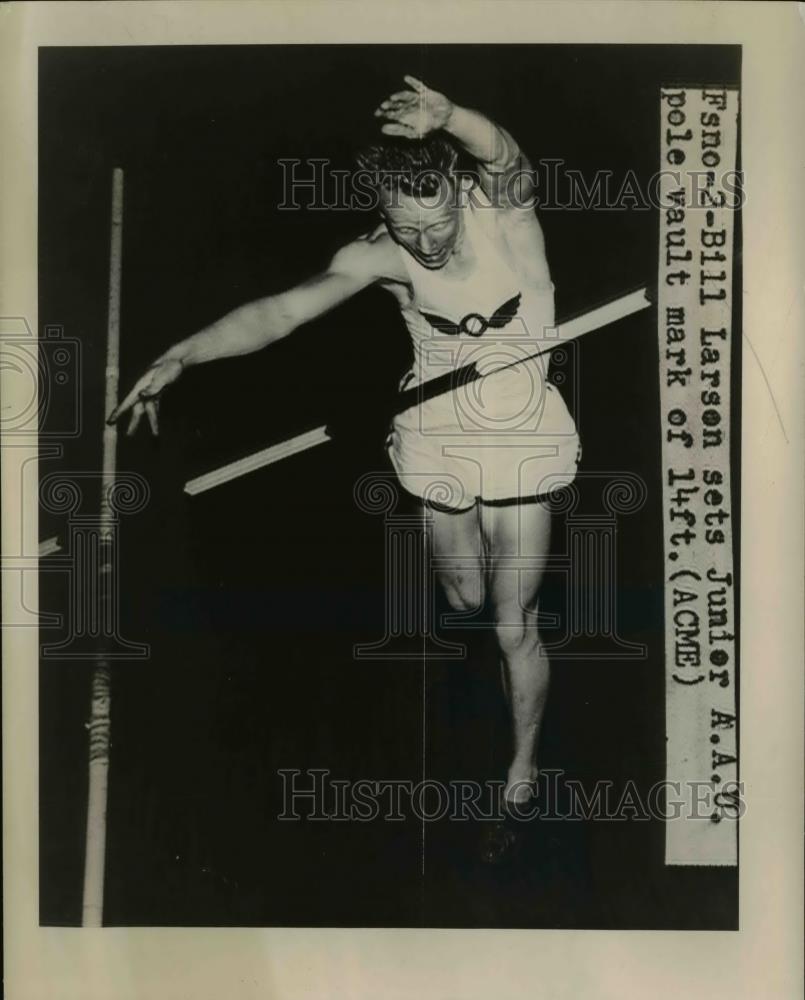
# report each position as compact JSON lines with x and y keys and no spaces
{"x":505,"y":436}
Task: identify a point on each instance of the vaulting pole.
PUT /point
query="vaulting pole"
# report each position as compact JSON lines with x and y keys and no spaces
{"x":100,"y":719}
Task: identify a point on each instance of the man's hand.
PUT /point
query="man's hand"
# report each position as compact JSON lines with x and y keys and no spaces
{"x":416,"y":112}
{"x":144,"y":397}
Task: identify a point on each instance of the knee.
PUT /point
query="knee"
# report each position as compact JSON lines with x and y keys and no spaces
{"x":515,"y":631}
{"x":464,"y":591}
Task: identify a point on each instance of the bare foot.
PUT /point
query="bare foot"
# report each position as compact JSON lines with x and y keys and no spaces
{"x":520,"y":784}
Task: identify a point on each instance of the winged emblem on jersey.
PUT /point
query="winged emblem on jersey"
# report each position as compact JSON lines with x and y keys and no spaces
{"x":474,"y":324}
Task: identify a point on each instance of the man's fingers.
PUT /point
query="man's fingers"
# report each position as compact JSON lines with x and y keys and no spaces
{"x":151,"y":410}
{"x":418,"y":85}
{"x":148,"y":387}
{"x":393,"y":114}
{"x":130,"y":400}
{"x":397,"y":130}
{"x":127,"y":404}
{"x":395,"y":107}
{"x":136,"y":417}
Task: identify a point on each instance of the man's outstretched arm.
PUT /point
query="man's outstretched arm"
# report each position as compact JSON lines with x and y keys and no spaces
{"x":253,"y":326}
{"x":505,"y":172}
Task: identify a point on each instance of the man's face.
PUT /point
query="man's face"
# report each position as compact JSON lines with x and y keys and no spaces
{"x":427,"y":226}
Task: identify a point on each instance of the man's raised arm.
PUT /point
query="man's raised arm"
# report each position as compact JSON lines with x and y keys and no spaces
{"x":254,"y":326}
{"x":505,"y":172}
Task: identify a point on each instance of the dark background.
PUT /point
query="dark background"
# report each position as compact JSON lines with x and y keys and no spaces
{"x":252,"y":596}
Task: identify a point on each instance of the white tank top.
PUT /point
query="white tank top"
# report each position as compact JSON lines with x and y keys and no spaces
{"x":489,"y":316}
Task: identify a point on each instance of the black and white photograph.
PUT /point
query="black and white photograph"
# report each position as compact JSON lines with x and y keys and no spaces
{"x":409,"y":450}
{"x":390,"y":416}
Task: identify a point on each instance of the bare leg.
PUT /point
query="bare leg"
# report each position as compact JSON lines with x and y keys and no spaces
{"x":522,"y":532}
{"x":456,"y":538}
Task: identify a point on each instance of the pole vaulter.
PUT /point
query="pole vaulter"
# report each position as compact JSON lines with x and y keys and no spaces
{"x":466,"y":262}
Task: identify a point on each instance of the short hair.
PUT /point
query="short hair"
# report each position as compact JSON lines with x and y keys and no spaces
{"x":412,"y":166}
